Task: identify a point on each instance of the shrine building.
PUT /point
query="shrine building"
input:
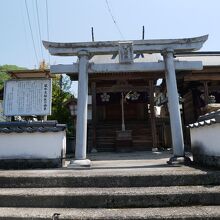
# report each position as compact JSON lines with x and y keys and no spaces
{"x":145,"y":102}
{"x":106,"y":90}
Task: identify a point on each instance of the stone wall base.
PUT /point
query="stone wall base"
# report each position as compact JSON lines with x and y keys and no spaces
{"x":207,"y":161}
{"x":30,"y":163}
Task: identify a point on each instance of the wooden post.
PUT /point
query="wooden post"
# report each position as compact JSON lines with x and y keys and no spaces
{"x":206,"y":92}
{"x":143,"y":32}
{"x":92,"y":35}
{"x":122,"y":113}
{"x":94,"y":118}
{"x":152,"y":115}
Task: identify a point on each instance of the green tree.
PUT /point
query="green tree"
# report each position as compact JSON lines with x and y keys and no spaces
{"x":60,"y":94}
{"x":3,"y":73}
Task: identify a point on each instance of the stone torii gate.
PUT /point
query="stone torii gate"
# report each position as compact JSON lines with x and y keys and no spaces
{"x":126,"y":50}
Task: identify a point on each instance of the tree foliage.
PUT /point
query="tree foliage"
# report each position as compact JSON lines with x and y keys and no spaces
{"x":3,"y":73}
{"x":60,"y":95}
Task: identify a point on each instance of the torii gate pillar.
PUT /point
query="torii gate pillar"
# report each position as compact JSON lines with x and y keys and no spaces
{"x":173,"y":105}
{"x":81,"y":120}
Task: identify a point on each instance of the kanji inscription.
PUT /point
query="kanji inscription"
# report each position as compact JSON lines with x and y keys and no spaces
{"x":126,"y":52}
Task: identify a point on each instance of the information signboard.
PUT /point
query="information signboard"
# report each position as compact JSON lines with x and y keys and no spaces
{"x":27,"y":97}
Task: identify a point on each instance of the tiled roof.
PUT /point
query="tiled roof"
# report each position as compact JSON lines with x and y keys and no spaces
{"x":207,"y":119}
{"x":31,"y":127}
{"x":203,"y":123}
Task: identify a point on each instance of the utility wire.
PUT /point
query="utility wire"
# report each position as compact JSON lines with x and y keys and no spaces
{"x":48,"y":37}
{"x":113,"y":19}
{"x":38,"y":22}
{"x":32,"y":37}
{"x":25,"y":36}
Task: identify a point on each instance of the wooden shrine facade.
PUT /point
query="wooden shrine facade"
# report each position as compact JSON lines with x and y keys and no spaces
{"x":139,"y":115}
{"x":196,"y":88}
{"x":201,"y":92}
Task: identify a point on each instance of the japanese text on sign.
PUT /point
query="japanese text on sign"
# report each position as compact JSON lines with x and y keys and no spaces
{"x":27,"y":97}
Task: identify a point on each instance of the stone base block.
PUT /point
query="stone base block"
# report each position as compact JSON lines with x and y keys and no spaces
{"x":80,"y":164}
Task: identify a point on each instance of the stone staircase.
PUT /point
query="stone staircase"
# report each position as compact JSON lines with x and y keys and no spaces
{"x":103,"y":194}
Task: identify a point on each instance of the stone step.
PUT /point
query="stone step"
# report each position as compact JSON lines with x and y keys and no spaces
{"x":171,"y":213}
{"x":136,"y":197}
{"x":108,"y":178}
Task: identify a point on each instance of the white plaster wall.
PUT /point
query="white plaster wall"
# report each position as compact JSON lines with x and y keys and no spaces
{"x":32,"y":145}
{"x":207,"y":138}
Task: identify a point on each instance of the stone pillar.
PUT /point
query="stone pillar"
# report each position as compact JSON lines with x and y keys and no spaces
{"x":173,"y":104}
{"x":82,"y":107}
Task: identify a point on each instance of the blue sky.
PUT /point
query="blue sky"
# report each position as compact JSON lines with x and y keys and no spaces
{"x":71,"y":21}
